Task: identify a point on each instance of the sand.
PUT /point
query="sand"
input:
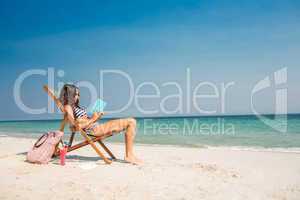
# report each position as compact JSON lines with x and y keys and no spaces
{"x":169,"y":172}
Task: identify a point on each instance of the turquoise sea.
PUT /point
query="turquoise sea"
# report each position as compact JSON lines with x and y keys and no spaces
{"x":245,"y":131}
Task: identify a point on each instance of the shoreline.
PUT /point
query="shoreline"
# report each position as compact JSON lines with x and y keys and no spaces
{"x":295,"y":150}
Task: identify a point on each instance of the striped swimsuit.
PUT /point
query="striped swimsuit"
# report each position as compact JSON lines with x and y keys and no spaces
{"x":81,"y":112}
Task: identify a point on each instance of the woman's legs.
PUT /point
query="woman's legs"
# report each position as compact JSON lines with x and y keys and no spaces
{"x":116,"y":126}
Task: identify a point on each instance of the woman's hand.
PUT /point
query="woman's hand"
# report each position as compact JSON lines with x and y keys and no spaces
{"x":97,"y":115}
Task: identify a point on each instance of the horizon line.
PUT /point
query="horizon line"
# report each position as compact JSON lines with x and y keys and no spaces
{"x":149,"y":117}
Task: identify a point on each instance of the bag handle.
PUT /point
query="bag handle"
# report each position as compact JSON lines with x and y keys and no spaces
{"x":36,"y":145}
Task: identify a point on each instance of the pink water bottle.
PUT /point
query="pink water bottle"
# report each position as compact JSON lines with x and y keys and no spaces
{"x":62,"y":154}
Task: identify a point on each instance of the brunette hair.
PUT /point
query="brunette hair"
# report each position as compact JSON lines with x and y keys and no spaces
{"x":67,"y":95}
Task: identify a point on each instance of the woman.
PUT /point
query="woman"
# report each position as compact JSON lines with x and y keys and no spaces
{"x":69,"y":96}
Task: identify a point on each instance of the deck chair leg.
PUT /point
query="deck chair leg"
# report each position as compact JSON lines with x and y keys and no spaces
{"x":106,"y":149}
{"x":106,"y":160}
{"x":71,"y":139}
{"x":56,"y":151}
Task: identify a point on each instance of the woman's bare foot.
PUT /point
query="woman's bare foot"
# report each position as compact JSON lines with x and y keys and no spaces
{"x":133,"y":160}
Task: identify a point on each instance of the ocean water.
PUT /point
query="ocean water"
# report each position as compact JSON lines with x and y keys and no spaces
{"x":231,"y":131}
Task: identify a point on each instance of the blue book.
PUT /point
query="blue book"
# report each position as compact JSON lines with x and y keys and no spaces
{"x":98,"y":106}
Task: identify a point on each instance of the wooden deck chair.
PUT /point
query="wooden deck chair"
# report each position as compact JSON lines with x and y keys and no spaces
{"x":89,"y":139}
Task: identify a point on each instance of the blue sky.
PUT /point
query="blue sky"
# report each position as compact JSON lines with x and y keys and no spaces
{"x":219,"y":41}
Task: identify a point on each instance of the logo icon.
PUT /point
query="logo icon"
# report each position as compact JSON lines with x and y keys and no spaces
{"x":279,"y":122}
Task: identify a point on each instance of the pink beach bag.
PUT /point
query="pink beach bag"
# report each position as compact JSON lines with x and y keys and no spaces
{"x":44,"y":147}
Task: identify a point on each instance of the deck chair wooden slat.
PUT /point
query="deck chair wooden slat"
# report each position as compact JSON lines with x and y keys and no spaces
{"x":87,"y":137}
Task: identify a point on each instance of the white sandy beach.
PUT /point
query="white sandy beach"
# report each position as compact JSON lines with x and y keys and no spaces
{"x":169,"y":172}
